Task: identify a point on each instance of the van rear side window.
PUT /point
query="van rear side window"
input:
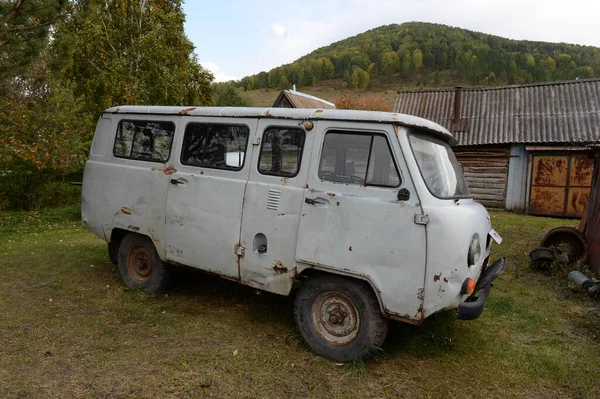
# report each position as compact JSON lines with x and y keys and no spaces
{"x":217,"y":146}
{"x":281,"y":151}
{"x":144,"y":140}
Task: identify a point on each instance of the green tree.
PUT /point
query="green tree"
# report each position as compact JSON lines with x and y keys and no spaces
{"x":417,"y":59}
{"x":227,"y":95}
{"x":388,"y":63}
{"x":44,"y":136}
{"x":529,"y":60}
{"x":24,"y":27}
{"x":130,"y":52}
{"x":550,"y":65}
{"x":328,"y":69}
{"x":513,"y":72}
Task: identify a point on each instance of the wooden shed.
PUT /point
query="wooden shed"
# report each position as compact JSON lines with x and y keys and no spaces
{"x":296,"y":99}
{"x":523,"y":147}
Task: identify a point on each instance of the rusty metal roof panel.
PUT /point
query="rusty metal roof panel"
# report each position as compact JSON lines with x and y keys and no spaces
{"x":556,"y":112}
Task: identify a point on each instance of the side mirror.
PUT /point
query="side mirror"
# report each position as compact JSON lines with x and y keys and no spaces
{"x":403,"y":195}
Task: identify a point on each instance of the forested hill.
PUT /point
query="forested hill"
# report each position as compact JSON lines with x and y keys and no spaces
{"x":432,"y":54}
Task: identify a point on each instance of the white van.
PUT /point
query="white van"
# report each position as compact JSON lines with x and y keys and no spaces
{"x":368,"y":211}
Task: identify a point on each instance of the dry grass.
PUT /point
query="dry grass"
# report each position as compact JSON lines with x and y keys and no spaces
{"x":69,"y":328}
{"x":266,"y":98}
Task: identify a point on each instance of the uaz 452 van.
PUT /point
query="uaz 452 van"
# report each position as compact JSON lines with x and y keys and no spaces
{"x":368,"y":211}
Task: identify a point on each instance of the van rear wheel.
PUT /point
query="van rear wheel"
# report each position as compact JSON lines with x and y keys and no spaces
{"x":339,"y":317}
{"x":140,"y":266}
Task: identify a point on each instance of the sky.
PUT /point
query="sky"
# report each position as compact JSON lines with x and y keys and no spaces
{"x":235,"y":38}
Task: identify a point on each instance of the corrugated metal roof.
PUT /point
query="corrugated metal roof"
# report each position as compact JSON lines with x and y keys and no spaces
{"x":556,"y":112}
{"x":303,"y":100}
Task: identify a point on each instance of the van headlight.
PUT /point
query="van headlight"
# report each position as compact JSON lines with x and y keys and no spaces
{"x":474,"y":251}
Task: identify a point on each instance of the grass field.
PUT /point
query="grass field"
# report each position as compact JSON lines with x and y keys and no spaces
{"x":330,"y":90}
{"x":69,"y":328}
{"x":266,"y":98}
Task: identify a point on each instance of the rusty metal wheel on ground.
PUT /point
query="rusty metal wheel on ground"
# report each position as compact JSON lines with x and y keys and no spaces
{"x":568,"y":240}
{"x":339,"y":317}
{"x":139,"y":263}
{"x":140,"y":266}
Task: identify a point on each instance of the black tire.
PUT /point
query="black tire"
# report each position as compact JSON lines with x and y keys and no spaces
{"x":113,"y":253}
{"x":339,"y":317}
{"x":140,"y":265}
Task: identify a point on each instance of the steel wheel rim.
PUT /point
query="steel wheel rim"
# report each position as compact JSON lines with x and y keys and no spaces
{"x":335,"y":318}
{"x":139,"y":263}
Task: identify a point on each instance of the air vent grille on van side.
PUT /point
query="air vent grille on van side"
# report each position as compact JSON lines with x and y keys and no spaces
{"x":273,"y":199}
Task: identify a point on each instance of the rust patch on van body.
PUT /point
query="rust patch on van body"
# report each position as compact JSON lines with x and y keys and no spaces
{"x":126,"y":211}
{"x":186,"y":111}
{"x":278,"y":267}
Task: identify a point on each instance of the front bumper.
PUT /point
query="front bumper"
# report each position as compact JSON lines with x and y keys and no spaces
{"x":473,"y":306}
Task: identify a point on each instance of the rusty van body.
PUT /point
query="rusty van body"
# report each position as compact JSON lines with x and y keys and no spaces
{"x":369,"y":211}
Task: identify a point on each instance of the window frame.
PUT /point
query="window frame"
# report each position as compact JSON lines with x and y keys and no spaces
{"x":300,"y":152}
{"x":418,"y":132}
{"x":133,"y":140}
{"x":372,"y":134}
{"x":232,"y":169}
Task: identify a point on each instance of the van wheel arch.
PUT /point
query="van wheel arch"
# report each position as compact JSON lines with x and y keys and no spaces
{"x":311,"y":272}
{"x":116,"y":237}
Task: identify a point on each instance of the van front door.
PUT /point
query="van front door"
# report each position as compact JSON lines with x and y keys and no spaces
{"x":358,"y":213}
{"x":272,"y":204}
{"x":205,"y":196}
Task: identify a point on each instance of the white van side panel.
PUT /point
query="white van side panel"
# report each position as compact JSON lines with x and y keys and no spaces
{"x":134,"y":192}
{"x":93,"y":181}
{"x":366,"y":231}
{"x":204,"y":212}
{"x":272,"y":207}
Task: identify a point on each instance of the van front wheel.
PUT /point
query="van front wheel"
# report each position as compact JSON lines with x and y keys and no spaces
{"x":140,"y":266}
{"x":339,"y":317}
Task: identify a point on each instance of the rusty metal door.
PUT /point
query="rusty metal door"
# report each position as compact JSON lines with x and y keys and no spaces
{"x":361,"y":229}
{"x":560,"y":185}
{"x":272,"y":204}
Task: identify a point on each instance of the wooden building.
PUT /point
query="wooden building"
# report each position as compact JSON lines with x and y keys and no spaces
{"x":523,"y":148}
{"x":296,"y":99}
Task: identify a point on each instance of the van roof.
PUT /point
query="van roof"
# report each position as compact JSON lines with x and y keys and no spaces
{"x":290,"y":113}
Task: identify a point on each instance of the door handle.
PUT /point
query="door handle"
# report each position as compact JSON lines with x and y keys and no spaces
{"x":177,"y":182}
{"x":318,"y":202}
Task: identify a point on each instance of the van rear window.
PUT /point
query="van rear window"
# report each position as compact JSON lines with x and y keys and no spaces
{"x":144,"y":140}
{"x":217,"y":146}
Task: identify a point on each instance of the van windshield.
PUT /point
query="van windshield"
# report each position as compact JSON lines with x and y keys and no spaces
{"x":439,"y":167}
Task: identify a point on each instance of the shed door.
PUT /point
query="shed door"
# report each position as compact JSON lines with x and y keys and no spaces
{"x":560,"y":185}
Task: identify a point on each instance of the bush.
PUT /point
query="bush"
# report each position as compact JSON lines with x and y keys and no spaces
{"x":58,"y":193}
{"x":23,"y":186}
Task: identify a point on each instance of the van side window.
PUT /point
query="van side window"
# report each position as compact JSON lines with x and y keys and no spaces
{"x":358,"y":158}
{"x":217,"y":146}
{"x":144,"y":140}
{"x":281,"y":151}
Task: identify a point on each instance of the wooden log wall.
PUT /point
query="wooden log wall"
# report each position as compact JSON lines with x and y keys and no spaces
{"x":486,"y":172}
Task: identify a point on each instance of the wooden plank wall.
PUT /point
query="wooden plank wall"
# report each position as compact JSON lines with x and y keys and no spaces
{"x":486,"y":172}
